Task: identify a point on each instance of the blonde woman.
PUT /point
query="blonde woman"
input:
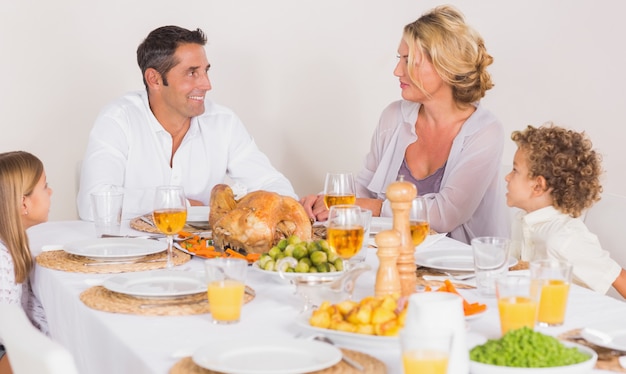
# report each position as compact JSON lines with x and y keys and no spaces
{"x":24,"y":202}
{"x":438,"y":136}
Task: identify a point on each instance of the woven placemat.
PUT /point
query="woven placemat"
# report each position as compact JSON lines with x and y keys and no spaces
{"x":61,"y":260}
{"x":100,"y":298}
{"x":139,"y":225}
{"x":370,"y":364}
{"x":608,"y":359}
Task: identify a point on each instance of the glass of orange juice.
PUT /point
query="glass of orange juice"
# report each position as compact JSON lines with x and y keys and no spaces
{"x":425,"y":352}
{"x":226,"y":279}
{"x":551,"y":280}
{"x":517,"y":304}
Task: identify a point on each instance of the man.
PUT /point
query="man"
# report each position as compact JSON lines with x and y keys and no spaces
{"x":172,"y":134}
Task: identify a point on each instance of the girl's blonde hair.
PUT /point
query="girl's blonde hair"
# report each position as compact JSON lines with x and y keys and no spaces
{"x":456,"y":51}
{"x":19,"y":173}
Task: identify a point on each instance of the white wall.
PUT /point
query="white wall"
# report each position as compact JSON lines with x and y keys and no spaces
{"x":309,"y":78}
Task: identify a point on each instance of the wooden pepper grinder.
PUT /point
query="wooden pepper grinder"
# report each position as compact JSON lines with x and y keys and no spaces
{"x":387,"y":276}
{"x":401,"y":195}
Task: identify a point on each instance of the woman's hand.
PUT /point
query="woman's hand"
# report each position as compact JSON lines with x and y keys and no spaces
{"x":314,"y":207}
{"x":375,"y":205}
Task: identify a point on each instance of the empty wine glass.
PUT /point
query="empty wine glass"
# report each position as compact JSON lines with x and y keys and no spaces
{"x":420,"y":224}
{"x":339,"y":189}
{"x":170,"y":214}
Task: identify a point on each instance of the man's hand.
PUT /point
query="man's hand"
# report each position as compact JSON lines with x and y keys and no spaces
{"x":195,"y":202}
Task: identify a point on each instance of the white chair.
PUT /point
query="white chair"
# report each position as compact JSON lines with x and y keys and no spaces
{"x":606,"y":220}
{"x":28,"y":349}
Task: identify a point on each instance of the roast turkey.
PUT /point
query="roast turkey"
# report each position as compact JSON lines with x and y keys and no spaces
{"x":257,"y":221}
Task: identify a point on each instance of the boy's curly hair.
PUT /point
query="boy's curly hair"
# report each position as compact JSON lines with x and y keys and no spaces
{"x":568,"y":163}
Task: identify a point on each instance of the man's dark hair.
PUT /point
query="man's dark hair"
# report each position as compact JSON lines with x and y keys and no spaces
{"x":157,"y":50}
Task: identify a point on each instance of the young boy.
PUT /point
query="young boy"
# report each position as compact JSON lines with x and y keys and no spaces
{"x":555,"y":177}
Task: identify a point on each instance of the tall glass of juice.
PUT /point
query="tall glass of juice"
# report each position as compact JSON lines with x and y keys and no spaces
{"x":226,"y":279}
{"x":517,"y":305}
{"x":551,"y":280}
{"x":425,"y":352}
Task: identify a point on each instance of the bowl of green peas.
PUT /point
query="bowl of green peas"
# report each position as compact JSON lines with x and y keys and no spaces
{"x":525,"y":351}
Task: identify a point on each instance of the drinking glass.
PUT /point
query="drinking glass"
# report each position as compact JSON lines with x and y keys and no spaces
{"x":491,"y":261}
{"x":226,"y":284}
{"x":419,"y":222}
{"x":107,"y":205}
{"x":169,"y":214}
{"x":517,"y":304}
{"x":425,"y":351}
{"x":366,"y":218}
{"x":551,"y":280}
{"x":339,"y":189}
{"x":345,"y":230}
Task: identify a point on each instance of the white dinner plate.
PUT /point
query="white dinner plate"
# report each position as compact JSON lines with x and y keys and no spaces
{"x":278,"y":356}
{"x":346,"y":338}
{"x":580,"y":368}
{"x":450,"y":259}
{"x":198,"y":214}
{"x":157,"y":284}
{"x":115,"y":249}
{"x":610,"y":336}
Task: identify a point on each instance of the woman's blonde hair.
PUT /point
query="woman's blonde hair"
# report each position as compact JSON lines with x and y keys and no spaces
{"x":455,"y":49}
{"x":19,"y":173}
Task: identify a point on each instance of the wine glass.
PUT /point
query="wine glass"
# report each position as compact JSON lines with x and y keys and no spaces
{"x":339,"y":189}
{"x":419,"y":222}
{"x":170,"y":214}
{"x":345,"y":230}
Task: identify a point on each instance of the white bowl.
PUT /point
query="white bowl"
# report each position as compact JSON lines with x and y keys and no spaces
{"x":580,"y":368}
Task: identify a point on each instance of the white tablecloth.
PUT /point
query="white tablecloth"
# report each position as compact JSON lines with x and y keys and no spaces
{"x":103,"y":342}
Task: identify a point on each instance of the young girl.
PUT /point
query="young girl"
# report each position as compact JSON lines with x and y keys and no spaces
{"x":555,"y":177}
{"x":24,"y":202}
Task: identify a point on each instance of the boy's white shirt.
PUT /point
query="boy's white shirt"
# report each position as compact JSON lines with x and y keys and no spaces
{"x":548,"y":233}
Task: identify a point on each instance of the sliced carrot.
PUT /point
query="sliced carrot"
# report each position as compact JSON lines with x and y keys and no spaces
{"x":234,"y":253}
{"x":468,"y":309}
{"x":183,"y":234}
{"x":252,"y":257}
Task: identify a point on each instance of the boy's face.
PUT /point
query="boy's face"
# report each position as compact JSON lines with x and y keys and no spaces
{"x":519,"y":185}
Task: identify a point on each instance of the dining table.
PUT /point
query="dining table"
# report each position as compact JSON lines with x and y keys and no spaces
{"x":112,"y":342}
